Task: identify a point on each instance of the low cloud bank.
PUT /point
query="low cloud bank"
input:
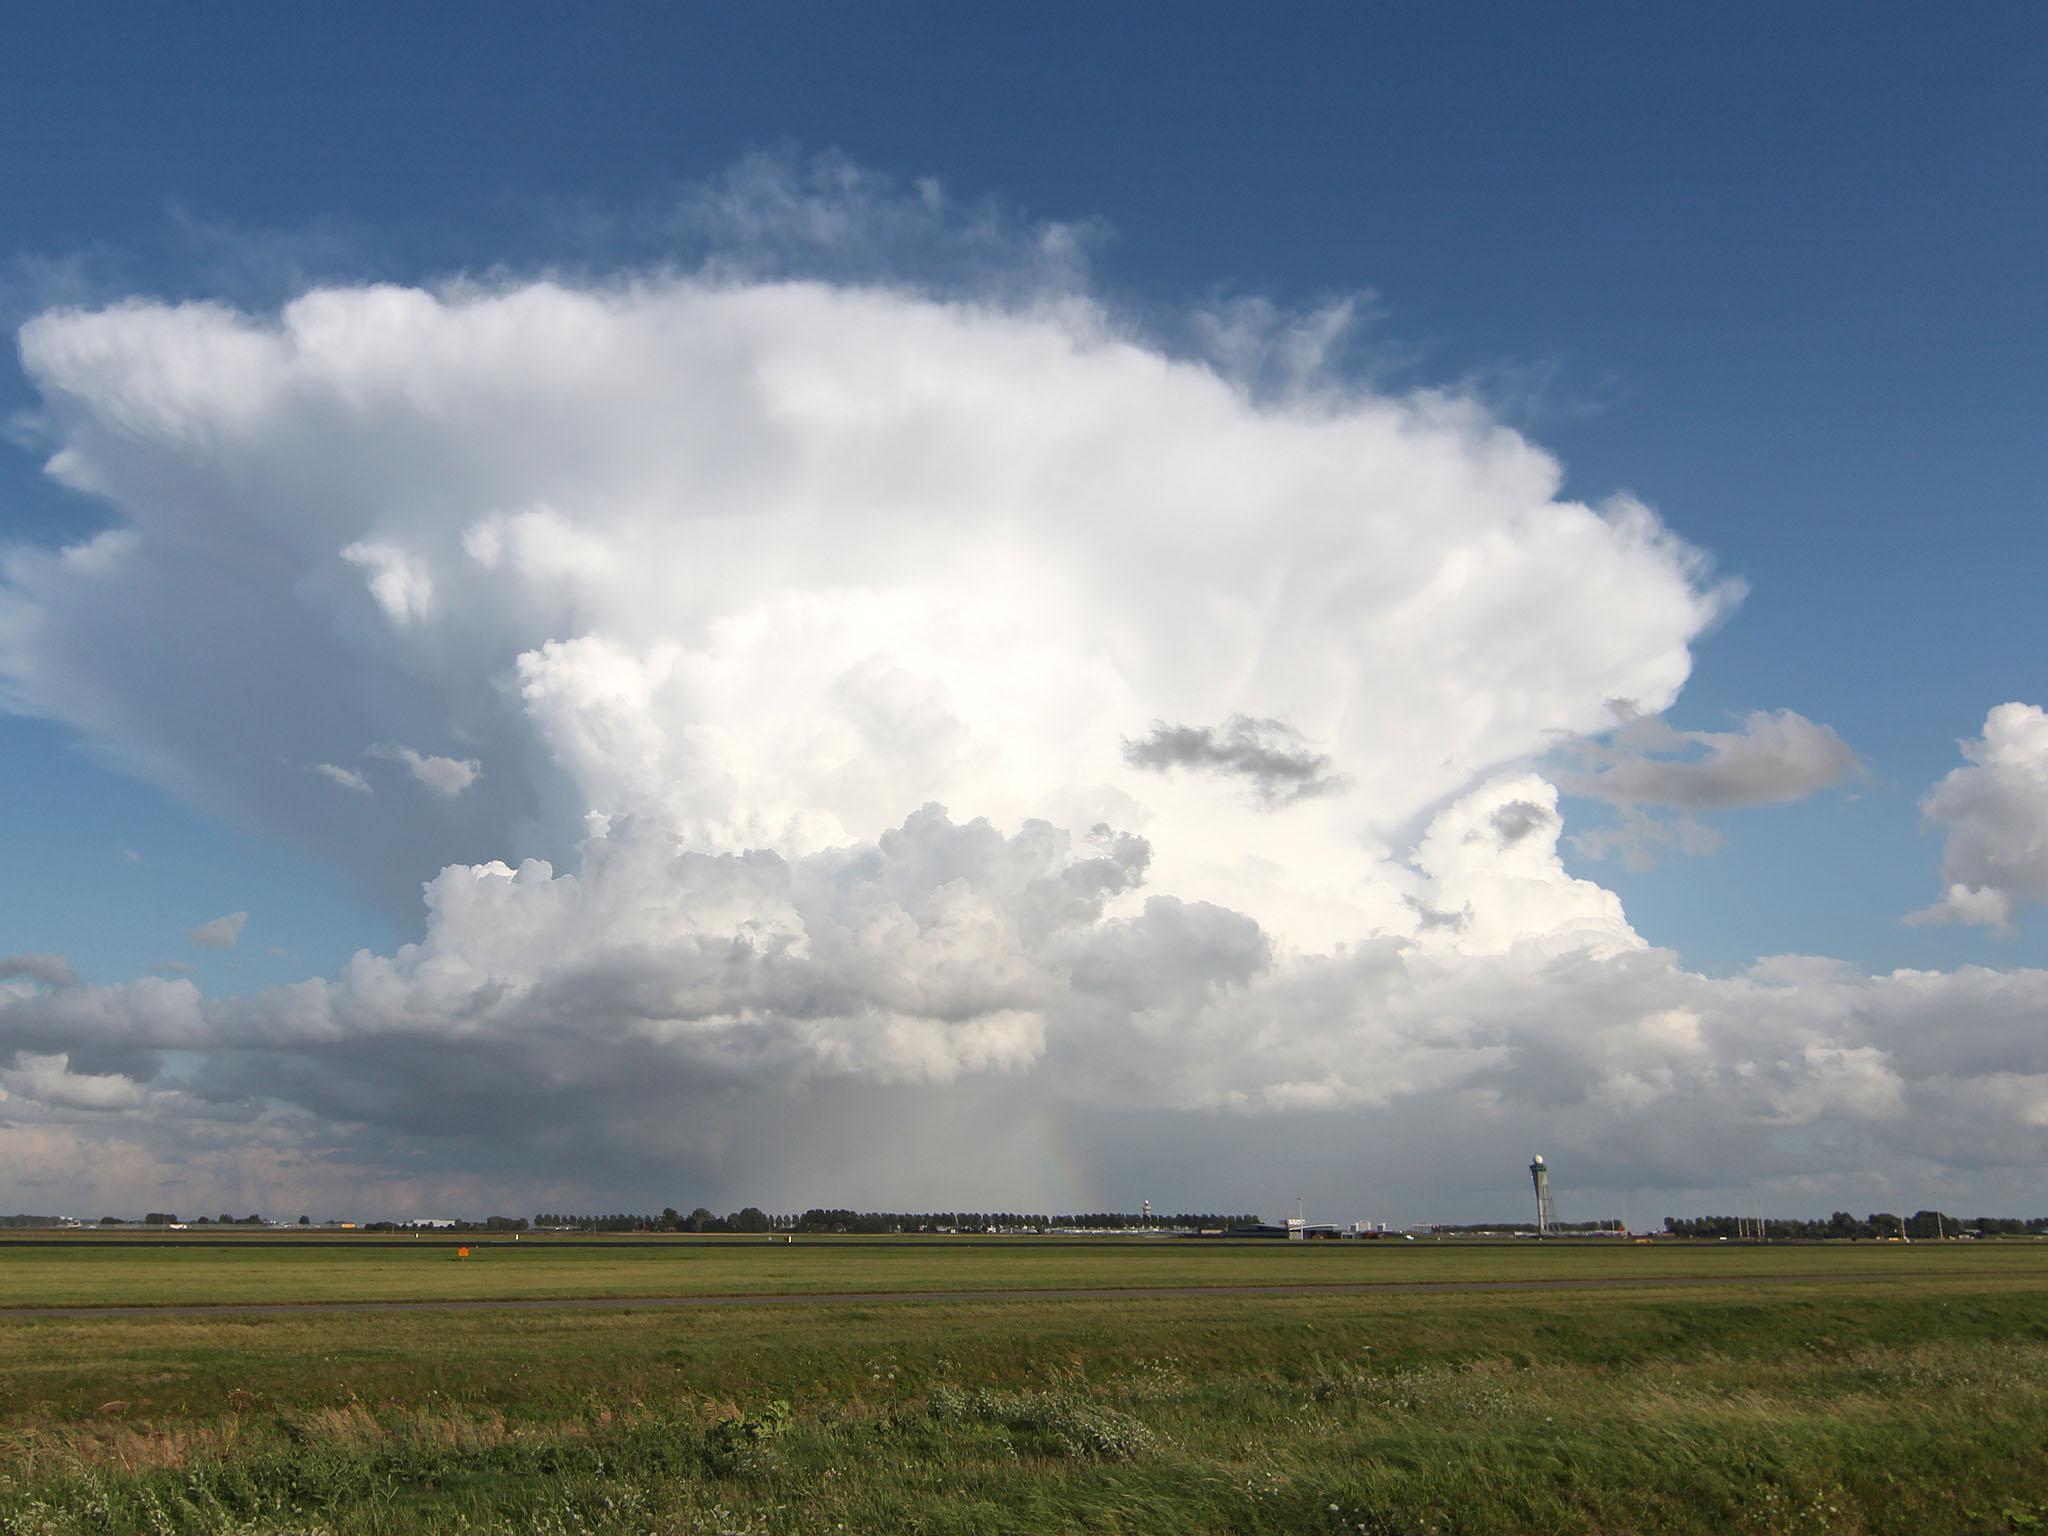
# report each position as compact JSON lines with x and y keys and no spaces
{"x":664,"y":1018}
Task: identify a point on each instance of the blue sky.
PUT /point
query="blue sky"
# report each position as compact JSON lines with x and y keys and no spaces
{"x":1778,"y":274}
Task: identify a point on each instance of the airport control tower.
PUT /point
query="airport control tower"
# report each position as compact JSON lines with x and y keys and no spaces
{"x":1545,"y":1216}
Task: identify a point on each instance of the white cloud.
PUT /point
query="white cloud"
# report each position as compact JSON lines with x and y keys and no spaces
{"x":1983,"y":906}
{"x":219,"y":932}
{"x":399,"y":581}
{"x":733,"y":582}
{"x":50,"y":1080}
{"x":1995,"y":813}
{"x":347,"y":778}
{"x":445,"y":776}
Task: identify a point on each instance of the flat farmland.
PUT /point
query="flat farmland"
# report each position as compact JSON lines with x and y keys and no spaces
{"x":1873,"y":1389}
{"x":98,"y":1271}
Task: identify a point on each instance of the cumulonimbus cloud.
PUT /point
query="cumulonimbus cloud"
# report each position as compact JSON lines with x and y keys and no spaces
{"x":733,"y":582}
{"x":778,"y":562}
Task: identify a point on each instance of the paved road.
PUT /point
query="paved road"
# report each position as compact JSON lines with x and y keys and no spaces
{"x":881,"y":1298}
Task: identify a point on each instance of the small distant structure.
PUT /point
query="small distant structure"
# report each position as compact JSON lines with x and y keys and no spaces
{"x":1546,"y":1214}
{"x":1296,"y":1228}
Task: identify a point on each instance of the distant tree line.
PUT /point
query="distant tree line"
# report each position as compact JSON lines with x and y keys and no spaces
{"x":668,"y":1220}
{"x":1878,"y":1224}
{"x":1921,"y":1224}
{"x":487,"y":1224}
{"x":1179,"y":1221}
{"x":879,"y":1223}
{"x":170,"y":1218}
{"x":1609,"y":1225}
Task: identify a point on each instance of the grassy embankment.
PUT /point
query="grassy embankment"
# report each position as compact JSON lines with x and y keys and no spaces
{"x":1919,"y":1405}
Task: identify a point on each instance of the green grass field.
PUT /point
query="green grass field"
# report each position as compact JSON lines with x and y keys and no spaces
{"x":106,"y":1272}
{"x":1884,"y":1390}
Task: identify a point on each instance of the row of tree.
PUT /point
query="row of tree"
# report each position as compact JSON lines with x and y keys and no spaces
{"x":1878,"y":1224}
{"x":822,"y":1220}
{"x":488,"y":1224}
{"x":170,"y":1219}
{"x":752,"y":1219}
{"x":1921,"y":1224}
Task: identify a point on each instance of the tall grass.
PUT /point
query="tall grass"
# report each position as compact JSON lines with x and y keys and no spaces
{"x":1854,"y":1411}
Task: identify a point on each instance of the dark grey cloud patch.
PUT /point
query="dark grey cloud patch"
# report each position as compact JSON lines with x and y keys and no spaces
{"x":1646,"y":766}
{"x":50,"y":970}
{"x":1436,"y":919}
{"x":1777,"y":755}
{"x":1518,"y":818}
{"x":1268,"y":754}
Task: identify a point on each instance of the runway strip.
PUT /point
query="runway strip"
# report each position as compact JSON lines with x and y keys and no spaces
{"x":880,"y":1298}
